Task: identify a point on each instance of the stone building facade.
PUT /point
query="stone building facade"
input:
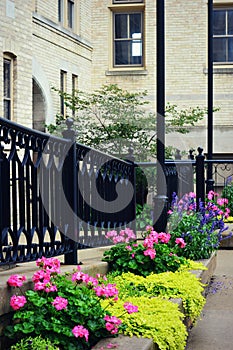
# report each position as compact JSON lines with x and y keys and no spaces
{"x":84,"y":44}
{"x":43,"y":44}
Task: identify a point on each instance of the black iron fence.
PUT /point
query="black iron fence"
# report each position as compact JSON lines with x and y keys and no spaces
{"x":57,"y":196}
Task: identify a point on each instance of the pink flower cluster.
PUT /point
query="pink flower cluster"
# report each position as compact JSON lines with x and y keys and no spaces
{"x":80,"y":331}
{"x":49,"y":264}
{"x":60,"y":303}
{"x":130,"y":308}
{"x":180,"y":242}
{"x":16,"y":280}
{"x":154,"y":238}
{"x":220,"y":202}
{"x":124,"y":236}
{"x":42,"y":281}
{"x":17,"y":301}
{"x":107,"y":291}
{"x":112,"y":323}
{"x":80,"y":277}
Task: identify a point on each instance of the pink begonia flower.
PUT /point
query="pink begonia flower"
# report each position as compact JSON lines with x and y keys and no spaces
{"x":211,"y":195}
{"x":133,"y":255}
{"x":112,"y":323}
{"x":222,"y":201}
{"x":149,"y":228}
{"x":80,"y":331}
{"x":111,"y":234}
{"x":112,"y":319}
{"x":110,"y":326}
{"x":17,"y":301}
{"x":50,"y":264}
{"x":181,"y":243}
{"x":148,"y":242}
{"x":192,"y":194}
{"x":50,"y":288}
{"x":107,"y":291}
{"x":16,"y":280}
{"x":164,"y":237}
{"x":130,"y":308}
{"x":46,"y":286}
{"x":60,"y":303}
{"x":41,"y":275}
{"x":169,"y":212}
{"x":150,"y":252}
{"x":128,"y":247}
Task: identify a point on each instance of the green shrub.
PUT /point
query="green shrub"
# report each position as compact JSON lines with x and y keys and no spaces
{"x":36,"y":343}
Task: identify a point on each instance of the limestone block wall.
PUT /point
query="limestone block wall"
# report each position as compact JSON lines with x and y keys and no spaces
{"x":102,"y":70}
{"x":15,"y":40}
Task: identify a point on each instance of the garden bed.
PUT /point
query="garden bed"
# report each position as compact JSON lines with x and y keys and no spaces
{"x":135,"y":343}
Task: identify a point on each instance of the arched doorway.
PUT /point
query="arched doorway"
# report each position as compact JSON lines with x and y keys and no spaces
{"x":39,"y":107}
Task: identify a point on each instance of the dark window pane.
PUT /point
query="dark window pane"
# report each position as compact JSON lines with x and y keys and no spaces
{"x":230,"y":22}
{"x":122,"y":52}
{"x":70,"y":13}
{"x":59,"y":10}
{"x":7,"y":109}
{"x":230,"y":50}
{"x":7,"y":78}
{"x":121,"y":26}
{"x":219,"y":49}
{"x":135,"y":24}
{"x":219,"y":23}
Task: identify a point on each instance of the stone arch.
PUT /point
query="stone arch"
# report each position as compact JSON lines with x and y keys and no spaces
{"x":42,"y":100}
{"x":38,"y":107}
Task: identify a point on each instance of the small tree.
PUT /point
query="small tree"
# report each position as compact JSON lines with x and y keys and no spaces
{"x":113,"y":119}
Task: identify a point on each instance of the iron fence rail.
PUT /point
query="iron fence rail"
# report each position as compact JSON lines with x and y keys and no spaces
{"x":51,"y":192}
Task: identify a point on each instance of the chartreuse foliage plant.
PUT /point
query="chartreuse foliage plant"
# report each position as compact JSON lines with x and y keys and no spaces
{"x":156,"y":318}
{"x":36,"y":343}
{"x":180,"y":284}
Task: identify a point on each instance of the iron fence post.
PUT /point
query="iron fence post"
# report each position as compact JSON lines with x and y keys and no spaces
{"x":131,"y":159}
{"x":70,"y":179}
{"x":200,"y":177}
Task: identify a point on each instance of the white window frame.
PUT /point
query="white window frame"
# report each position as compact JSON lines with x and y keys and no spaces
{"x":63,"y":88}
{"x":68,"y":19}
{"x":225,"y":36}
{"x":139,"y":43}
{"x":8,"y":87}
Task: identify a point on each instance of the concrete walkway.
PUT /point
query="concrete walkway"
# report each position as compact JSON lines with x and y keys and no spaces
{"x":214,"y":331}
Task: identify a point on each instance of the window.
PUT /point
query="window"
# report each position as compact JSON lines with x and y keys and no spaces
{"x":74,"y":90}
{"x":63,"y":76}
{"x":223,"y":35}
{"x":66,"y":13}
{"x":70,"y":14}
{"x":60,"y":11}
{"x":128,"y":41}
{"x":8,"y":87}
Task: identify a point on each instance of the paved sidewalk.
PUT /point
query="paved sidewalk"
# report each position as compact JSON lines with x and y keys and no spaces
{"x":214,"y":331}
